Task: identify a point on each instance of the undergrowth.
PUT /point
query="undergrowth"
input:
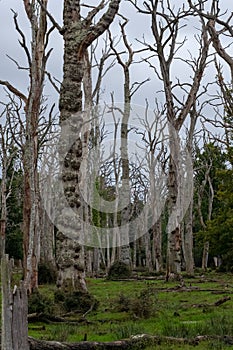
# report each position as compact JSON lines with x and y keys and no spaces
{"x":152,"y":307}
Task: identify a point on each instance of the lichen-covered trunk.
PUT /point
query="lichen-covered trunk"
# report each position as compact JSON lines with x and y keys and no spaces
{"x":68,"y":251}
{"x":173,"y":228}
{"x":78,"y":33}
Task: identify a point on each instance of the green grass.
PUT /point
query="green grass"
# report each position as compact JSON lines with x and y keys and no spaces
{"x":174,"y":313}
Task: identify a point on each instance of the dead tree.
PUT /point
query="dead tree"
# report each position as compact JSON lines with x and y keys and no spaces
{"x":36,"y":58}
{"x":166,"y":24}
{"x":124,"y":248}
{"x":205,"y":189}
{"x":154,"y":140}
{"x":219,"y":27}
{"x":129,"y":91}
{"x":7,"y":154}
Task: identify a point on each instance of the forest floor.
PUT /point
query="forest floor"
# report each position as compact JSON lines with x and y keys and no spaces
{"x":177,"y":314}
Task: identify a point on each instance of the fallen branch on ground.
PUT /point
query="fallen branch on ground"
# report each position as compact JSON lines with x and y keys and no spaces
{"x":137,"y":341}
{"x":217,"y":303}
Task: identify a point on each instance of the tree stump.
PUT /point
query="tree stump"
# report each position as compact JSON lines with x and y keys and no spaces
{"x":14,"y":311}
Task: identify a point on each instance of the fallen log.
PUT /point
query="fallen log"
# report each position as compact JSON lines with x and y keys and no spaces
{"x":135,"y":342}
{"x":86,"y":345}
{"x":222,"y":301}
{"x":40,"y":317}
{"x":217,"y":303}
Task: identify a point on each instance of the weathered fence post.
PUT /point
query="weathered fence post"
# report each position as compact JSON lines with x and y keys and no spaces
{"x":14,"y":311}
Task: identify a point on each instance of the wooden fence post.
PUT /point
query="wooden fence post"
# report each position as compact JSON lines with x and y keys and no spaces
{"x":14,"y":311}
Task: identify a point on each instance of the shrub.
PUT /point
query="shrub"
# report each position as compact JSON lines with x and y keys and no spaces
{"x":76,"y":301}
{"x":123,"y":303}
{"x":38,"y":303}
{"x":119,"y":270}
{"x":47,"y":274}
{"x":59,"y":296}
{"x":80,"y":301}
{"x":142,"y":305}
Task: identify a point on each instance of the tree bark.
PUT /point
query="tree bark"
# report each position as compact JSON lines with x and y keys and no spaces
{"x":37,"y":63}
{"x":78,"y":34}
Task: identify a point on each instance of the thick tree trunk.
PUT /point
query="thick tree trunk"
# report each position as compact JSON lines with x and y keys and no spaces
{"x":173,"y":228}
{"x":78,"y":33}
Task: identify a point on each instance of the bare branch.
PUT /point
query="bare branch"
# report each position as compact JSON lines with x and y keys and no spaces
{"x":23,"y":42}
{"x":93,"y":13}
{"x":95,"y":31}
{"x":52,"y":19}
{"x":52,"y":82}
{"x":218,"y":46}
{"x":15,"y":91}
{"x":17,"y":64}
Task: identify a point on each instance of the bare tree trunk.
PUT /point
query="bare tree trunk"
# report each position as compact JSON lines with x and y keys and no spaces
{"x":205,"y":256}
{"x":124,"y":248}
{"x":37,"y":63}
{"x":188,"y":220}
{"x":134,"y":259}
{"x":188,"y":241}
{"x":149,"y":264}
{"x":157,"y":246}
{"x":3,"y":203}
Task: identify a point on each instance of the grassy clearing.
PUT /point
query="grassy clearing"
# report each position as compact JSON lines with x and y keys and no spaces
{"x":173,"y":312}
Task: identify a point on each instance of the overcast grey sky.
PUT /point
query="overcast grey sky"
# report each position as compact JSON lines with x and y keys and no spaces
{"x":139,"y":26}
